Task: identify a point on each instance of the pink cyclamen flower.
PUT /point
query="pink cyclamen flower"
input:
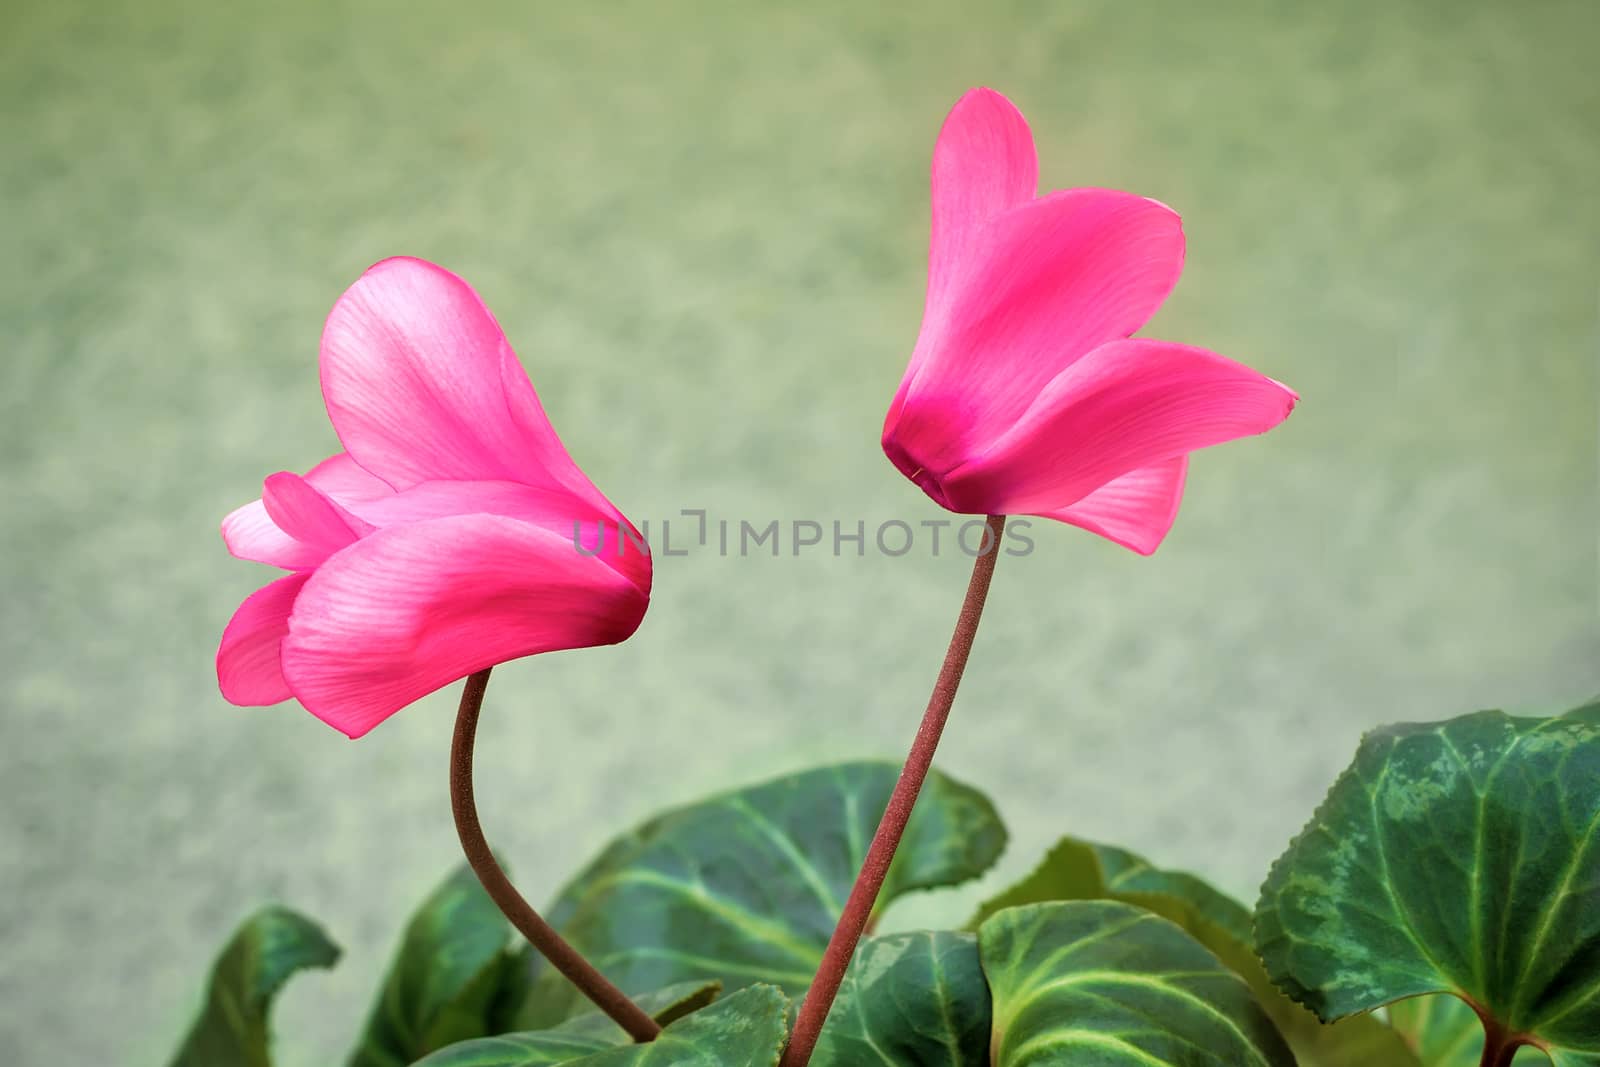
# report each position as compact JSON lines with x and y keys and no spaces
{"x":442,"y":540}
{"x":1026,"y":392}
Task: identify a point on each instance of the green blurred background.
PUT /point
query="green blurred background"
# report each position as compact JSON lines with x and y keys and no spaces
{"x":704,"y":231}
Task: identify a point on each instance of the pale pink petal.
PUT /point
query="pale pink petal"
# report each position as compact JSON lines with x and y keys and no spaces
{"x":1126,"y":405}
{"x":346,"y":480}
{"x":1135,"y":510}
{"x":606,"y":535}
{"x":248,"y":667}
{"x":250,"y":533}
{"x":308,"y":515}
{"x":1051,"y":280}
{"x":413,"y":607}
{"x":415,"y":373}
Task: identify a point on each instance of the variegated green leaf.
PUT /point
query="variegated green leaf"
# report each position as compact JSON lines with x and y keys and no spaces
{"x":1458,"y":857}
{"x":579,"y":1036}
{"x":1107,"y":984}
{"x":915,"y":998}
{"x":747,"y":886}
{"x":528,"y":1048}
{"x":665,"y":1006}
{"x":1082,"y":870}
{"x":745,"y":1029}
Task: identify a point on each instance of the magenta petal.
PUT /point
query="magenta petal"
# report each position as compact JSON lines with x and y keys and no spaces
{"x":1051,"y":280}
{"x":1126,"y":405}
{"x":539,"y":439}
{"x":1135,"y":510}
{"x":414,"y":376}
{"x":414,"y":607}
{"x":983,"y":164}
{"x":605,"y":534}
{"x":248,"y":665}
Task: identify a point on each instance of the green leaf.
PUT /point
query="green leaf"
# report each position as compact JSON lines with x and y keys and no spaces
{"x":1456,"y":857}
{"x":1102,"y":982}
{"x":579,"y":1036}
{"x":531,"y":1048}
{"x":1446,"y":1032}
{"x":451,"y":979}
{"x":232,"y":1030}
{"x":917,"y":998}
{"x":665,"y":1006}
{"x":1082,"y":870}
{"x":746,"y":887}
{"x":746,"y":1029}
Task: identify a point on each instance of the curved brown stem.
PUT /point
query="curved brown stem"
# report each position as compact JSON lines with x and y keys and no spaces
{"x":864,"y":895}
{"x":566,"y":959}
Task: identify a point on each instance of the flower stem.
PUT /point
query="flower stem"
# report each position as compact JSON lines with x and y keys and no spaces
{"x":864,"y":895}
{"x":566,"y":959}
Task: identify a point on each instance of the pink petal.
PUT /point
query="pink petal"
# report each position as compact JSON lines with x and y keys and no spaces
{"x":422,"y":385}
{"x":411,"y":608}
{"x":248,"y":665}
{"x":1049,"y":281}
{"x":308,"y":515}
{"x":983,"y":163}
{"x":250,"y":533}
{"x":554,"y":510}
{"x":526,"y":411}
{"x":1126,"y":405}
{"x":346,"y":480}
{"x":1135,"y":510}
